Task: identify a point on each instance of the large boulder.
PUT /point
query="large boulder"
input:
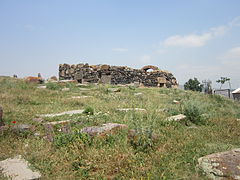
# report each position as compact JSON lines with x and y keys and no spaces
{"x":223,"y":165}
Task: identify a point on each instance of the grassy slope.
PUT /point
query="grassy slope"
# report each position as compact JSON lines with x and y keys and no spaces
{"x":173,"y":156}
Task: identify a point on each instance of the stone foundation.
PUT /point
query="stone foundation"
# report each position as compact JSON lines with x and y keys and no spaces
{"x":117,"y":75}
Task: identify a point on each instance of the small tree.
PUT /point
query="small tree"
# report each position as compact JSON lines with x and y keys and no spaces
{"x":222,"y":80}
{"x":193,"y":84}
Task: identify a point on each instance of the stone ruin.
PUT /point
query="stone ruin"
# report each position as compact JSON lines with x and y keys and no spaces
{"x":107,"y":74}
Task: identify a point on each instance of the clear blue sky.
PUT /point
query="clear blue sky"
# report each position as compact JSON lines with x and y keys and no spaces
{"x":197,"y":38}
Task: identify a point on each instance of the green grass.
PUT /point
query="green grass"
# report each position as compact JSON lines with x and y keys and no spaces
{"x":77,"y":156}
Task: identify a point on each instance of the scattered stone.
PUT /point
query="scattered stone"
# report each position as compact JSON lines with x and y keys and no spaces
{"x":138,"y":94}
{"x":49,"y":132}
{"x":178,"y":117}
{"x":59,"y":122}
{"x":104,"y":129}
{"x":18,"y":169}
{"x":38,"y":120}
{"x":85,"y":89}
{"x":132,"y":109}
{"x":63,"y":113}
{"x":37,"y":134}
{"x":1,"y":116}
{"x":65,"y":89}
{"x":81,"y":85}
{"x":67,"y":81}
{"x":42,"y":87}
{"x":176,"y":102}
{"x":113,"y":89}
{"x":238,"y":119}
{"x":21,"y":128}
{"x":223,"y":165}
{"x":80,"y":97}
{"x":161,"y":110}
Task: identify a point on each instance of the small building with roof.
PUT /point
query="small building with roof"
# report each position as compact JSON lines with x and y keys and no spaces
{"x":236,"y":94}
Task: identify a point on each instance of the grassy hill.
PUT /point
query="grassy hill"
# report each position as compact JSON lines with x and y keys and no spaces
{"x":161,"y":149}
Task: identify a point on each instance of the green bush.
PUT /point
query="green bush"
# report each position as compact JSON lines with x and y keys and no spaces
{"x":53,"y":86}
{"x":194,"y":111}
{"x":88,"y":110}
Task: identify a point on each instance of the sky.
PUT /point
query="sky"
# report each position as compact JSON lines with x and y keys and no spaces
{"x":190,"y":38}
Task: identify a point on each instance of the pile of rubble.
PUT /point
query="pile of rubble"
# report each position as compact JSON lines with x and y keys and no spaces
{"x":117,"y":75}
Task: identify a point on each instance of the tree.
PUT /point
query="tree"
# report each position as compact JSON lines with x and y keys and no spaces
{"x":193,"y":84}
{"x":222,"y":80}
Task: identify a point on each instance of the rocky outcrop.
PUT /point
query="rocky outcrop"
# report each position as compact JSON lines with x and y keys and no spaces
{"x":223,"y":165}
{"x":117,"y":75}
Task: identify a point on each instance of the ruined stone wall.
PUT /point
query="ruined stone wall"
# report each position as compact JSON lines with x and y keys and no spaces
{"x":117,"y":75}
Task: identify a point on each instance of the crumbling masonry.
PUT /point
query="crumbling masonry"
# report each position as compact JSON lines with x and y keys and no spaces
{"x":117,"y":75}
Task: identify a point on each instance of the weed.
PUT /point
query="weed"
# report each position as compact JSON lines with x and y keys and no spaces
{"x":53,"y":86}
{"x":194,"y":111}
{"x":88,"y":110}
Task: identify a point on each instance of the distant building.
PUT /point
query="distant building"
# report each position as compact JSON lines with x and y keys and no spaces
{"x":236,"y":94}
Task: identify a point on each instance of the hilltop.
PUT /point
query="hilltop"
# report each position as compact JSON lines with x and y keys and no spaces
{"x":145,"y":145}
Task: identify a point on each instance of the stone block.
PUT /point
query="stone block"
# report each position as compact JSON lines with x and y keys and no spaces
{"x":223,"y":165}
{"x":18,"y":169}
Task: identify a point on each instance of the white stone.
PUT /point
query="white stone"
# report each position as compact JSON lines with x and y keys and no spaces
{"x":59,"y":122}
{"x":178,"y":117}
{"x":132,"y":109}
{"x":18,"y":169}
{"x":176,"y":102}
{"x":63,"y":113}
{"x":80,"y":97}
{"x":138,"y":94}
{"x":65,"y":89}
{"x":42,"y":87}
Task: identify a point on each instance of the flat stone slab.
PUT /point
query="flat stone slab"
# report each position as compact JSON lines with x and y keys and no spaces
{"x":223,"y":165}
{"x":161,"y":110}
{"x":63,"y":113}
{"x":104,"y":129}
{"x":18,"y":169}
{"x":82,"y":85}
{"x":80,"y":97}
{"x":138,"y":94}
{"x":42,"y":87}
{"x":178,"y":117}
{"x":59,"y":122}
{"x":176,"y":102}
{"x":18,"y":128}
{"x":67,"y":81}
{"x":65,"y":89}
{"x":132,"y":109}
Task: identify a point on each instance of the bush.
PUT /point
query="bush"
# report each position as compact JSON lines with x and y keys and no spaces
{"x":194,"y":111}
{"x":53,"y":86}
{"x":88,"y":110}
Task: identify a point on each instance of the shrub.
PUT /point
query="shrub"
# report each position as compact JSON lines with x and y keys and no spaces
{"x":194,"y":111}
{"x":88,"y":110}
{"x":53,"y":86}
